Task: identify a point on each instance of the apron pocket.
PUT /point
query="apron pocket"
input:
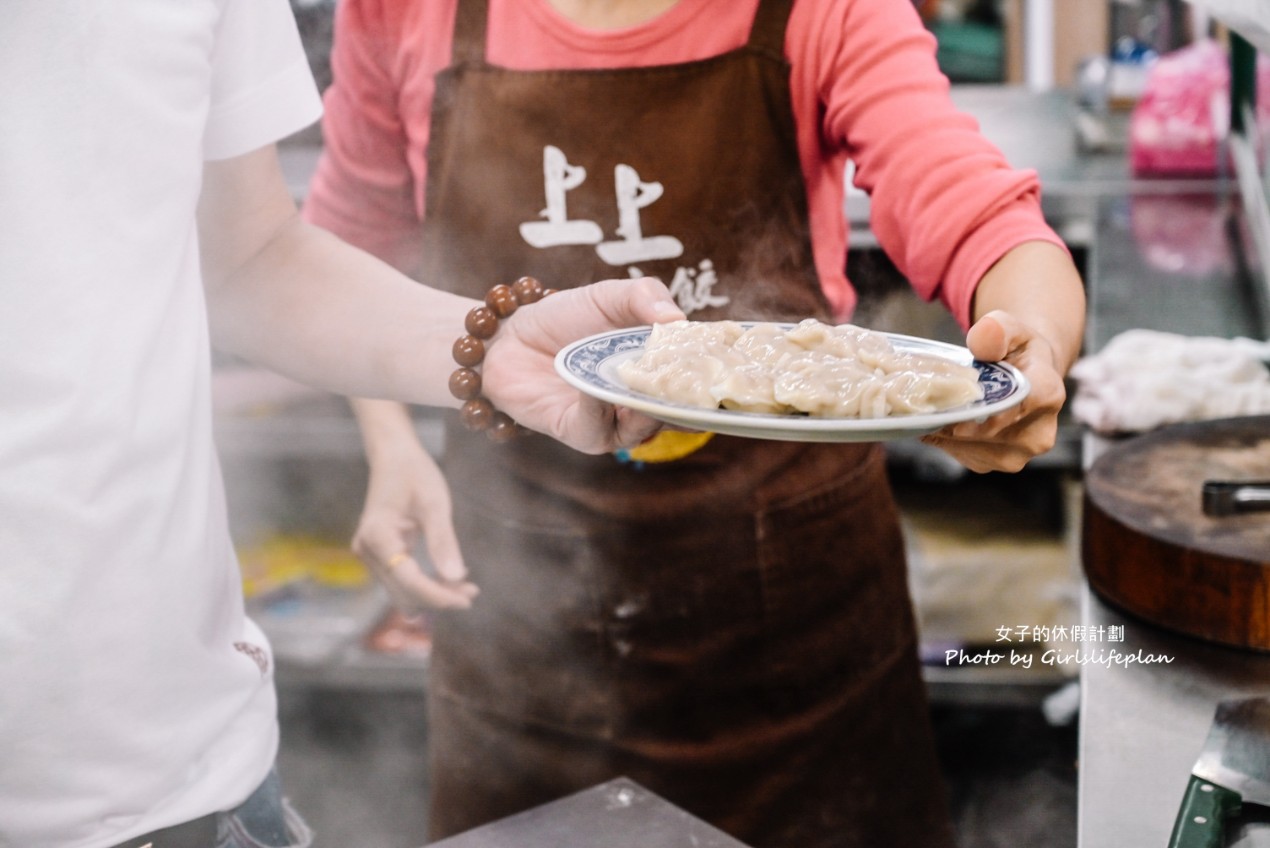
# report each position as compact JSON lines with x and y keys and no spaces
{"x":834,"y":586}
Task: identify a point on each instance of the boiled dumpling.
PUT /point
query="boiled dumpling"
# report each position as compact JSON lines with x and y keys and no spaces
{"x":812,"y":368}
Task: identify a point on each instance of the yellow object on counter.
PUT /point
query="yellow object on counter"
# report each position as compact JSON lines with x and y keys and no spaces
{"x":667,"y":446}
{"x":284,"y":559}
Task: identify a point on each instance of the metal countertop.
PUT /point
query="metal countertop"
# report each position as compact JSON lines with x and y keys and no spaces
{"x":1173,"y":255}
{"x":1142,"y":726}
{"x":616,"y":814}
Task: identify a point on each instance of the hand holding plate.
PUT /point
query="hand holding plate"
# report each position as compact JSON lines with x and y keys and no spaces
{"x":519,"y":376}
{"x":1008,"y":440}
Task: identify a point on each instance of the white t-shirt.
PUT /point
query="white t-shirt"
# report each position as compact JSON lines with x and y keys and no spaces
{"x":134,"y":693}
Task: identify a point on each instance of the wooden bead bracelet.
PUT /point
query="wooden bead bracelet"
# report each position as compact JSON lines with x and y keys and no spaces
{"x":477,"y":413}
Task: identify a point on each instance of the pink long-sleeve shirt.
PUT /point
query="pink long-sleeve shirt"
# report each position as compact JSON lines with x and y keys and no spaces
{"x":944,"y":203}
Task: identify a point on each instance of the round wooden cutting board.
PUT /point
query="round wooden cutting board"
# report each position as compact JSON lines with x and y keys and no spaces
{"x":1148,"y":547}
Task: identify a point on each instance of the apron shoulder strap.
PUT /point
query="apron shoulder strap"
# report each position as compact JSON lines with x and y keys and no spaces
{"x":470,"y":18}
{"x":767,"y":35}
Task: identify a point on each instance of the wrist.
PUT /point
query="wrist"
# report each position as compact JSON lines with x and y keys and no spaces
{"x":482,"y":324}
{"x":388,"y":431}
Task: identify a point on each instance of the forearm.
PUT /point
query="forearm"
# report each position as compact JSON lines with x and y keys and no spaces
{"x":387,"y":429}
{"x":311,"y":307}
{"x":1038,"y":284}
{"x":300,"y":301}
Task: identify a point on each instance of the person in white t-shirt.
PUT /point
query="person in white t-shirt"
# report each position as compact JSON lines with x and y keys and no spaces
{"x":143,"y":219}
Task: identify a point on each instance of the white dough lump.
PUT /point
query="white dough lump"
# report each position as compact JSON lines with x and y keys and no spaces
{"x":1143,"y":379}
{"x":813,"y":368}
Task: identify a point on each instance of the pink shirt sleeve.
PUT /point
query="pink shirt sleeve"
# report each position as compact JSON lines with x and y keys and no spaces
{"x":944,"y":203}
{"x":365,"y":188}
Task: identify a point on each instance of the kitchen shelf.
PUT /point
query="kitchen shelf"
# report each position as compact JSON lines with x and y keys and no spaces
{"x":318,"y":635}
{"x":356,"y":669}
{"x":997,"y":686}
{"x":319,"y":642}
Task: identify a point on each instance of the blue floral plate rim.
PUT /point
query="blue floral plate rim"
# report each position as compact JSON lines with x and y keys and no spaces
{"x":590,"y":365}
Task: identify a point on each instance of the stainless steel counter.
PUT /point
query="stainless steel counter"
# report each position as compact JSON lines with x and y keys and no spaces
{"x":1142,"y":726}
{"x":1176,"y":256}
{"x":616,"y":814}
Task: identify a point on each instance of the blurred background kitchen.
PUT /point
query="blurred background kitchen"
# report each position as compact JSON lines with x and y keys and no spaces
{"x":1157,"y":185}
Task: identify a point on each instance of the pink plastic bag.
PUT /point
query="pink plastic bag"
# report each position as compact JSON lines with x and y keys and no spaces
{"x":1178,"y":125}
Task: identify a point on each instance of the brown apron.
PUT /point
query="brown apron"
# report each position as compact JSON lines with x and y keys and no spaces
{"x":732,"y":629}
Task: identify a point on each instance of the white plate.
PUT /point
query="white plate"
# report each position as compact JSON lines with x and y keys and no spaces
{"x":590,"y":365}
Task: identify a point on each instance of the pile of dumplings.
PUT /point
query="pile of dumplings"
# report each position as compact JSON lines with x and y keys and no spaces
{"x":813,"y":368}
